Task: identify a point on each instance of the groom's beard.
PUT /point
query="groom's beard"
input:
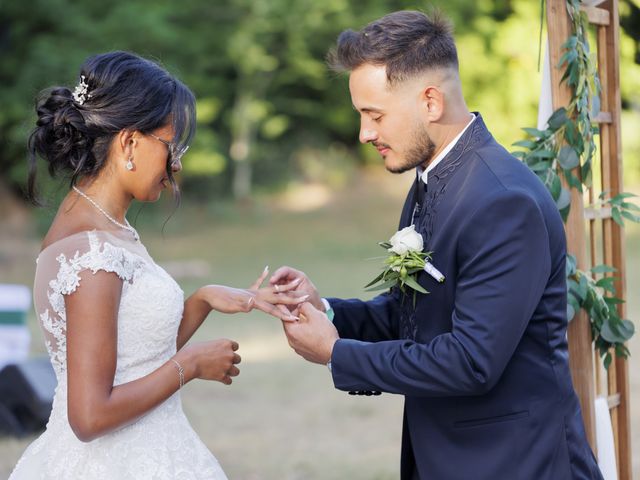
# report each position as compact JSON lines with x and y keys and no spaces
{"x":421,"y":153}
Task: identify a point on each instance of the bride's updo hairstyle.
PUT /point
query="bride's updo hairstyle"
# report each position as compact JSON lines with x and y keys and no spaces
{"x":115,"y":91}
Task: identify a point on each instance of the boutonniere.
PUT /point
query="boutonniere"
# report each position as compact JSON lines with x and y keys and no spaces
{"x":406,"y":259}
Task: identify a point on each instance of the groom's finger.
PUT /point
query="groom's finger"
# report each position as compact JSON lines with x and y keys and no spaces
{"x":308,"y":310}
{"x":284,"y":274}
{"x":280,"y":288}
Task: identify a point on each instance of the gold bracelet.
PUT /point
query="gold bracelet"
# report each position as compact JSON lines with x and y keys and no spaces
{"x":180,"y":372}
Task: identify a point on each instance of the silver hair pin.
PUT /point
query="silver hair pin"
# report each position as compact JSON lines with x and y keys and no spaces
{"x":80,"y":94}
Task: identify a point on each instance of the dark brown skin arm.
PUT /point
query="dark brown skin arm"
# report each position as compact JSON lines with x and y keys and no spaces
{"x":95,"y":406}
{"x":225,"y":299}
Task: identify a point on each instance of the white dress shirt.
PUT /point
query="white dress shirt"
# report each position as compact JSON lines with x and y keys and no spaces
{"x":424,"y":173}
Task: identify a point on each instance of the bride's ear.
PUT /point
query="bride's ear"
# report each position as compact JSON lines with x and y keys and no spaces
{"x":125,"y":143}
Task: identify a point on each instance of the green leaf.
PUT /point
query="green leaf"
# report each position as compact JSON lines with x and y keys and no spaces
{"x":622,"y":350}
{"x":624,"y":195}
{"x":573,"y":301}
{"x":630,"y":216}
{"x":564,"y":199}
{"x":528,"y":144}
{"x":557,"y":118}
{"x":543,"y":153}
{"x":555,"y":187}
{"x":571,"y":264}
{"x":383,"y":286}
{"x":613,"y":301}
{"x":574,"y":182}
{"x":606,"y":362}
{"x":570,"y":312}
{"x":603,"y":269}
{"x":574,"y":290}
{"x":571,"y":134}
{"x":610,"y":333}
{"x":415,"y":285}
{"x":630,"y":206}
{"x":583,"y":286}
{"x":607,"y":283}
{"x":617,"y":333}
{"x":615,"y":214}
{"x":534,"y":132}
{"x":375,"y":280}
{"x":568,"y":158}
{"x":540,"y":166}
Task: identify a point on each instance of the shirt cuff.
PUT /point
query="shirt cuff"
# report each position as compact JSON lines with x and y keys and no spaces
{"x":327,"y":308}
{"x":325,"y":302}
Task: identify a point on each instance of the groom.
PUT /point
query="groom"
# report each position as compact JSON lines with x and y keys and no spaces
{"x":482,"y":359}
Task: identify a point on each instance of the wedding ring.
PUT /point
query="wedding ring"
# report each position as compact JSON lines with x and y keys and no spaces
{"x":277,"y":287}
{"x":250,"y":301}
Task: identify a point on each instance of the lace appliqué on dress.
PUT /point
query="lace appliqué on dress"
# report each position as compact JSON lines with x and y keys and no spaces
{"x":101,"y":256}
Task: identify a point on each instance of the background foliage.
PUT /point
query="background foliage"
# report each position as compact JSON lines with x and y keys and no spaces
{"x":269,"y":112}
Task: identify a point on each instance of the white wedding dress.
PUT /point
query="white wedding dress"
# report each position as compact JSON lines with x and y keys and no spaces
{"x":159,"y":445}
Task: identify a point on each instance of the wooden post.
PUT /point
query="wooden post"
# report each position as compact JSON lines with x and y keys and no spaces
{"x":613,"y":242}
{"x":579,"y":332}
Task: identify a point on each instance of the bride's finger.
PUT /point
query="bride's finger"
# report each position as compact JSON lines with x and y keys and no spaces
{"x":291,"y":298}
{"x":275,"y":311}
{"x":258,"y":283}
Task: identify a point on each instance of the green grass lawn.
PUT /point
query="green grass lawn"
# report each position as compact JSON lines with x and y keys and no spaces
{"x":281,"y":419}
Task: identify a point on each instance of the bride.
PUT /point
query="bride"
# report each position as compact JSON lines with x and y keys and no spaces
{"x":116,"y":325}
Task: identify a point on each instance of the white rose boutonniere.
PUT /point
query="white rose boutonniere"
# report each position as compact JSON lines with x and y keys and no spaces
{"x":405,"y":241}
{"x":406,"y":259}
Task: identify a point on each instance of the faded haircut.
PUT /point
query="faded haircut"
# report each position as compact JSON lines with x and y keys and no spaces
{"x":407,"y":43}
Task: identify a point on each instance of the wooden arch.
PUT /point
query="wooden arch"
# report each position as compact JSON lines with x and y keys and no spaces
{"x":589,"y":377}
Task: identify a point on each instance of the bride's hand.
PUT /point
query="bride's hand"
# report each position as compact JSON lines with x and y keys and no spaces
{"x":235,"y":300}
{"x":277,"y":300}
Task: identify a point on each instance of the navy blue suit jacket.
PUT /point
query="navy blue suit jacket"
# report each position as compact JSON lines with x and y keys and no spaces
{"x":482,"y":360}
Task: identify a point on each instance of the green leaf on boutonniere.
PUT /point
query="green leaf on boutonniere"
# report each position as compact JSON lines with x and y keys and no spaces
{"x":383,"y":286}
{"x":413,"y":284}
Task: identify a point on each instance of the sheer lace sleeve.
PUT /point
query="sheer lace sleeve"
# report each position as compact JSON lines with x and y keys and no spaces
{"x":58,"y":273}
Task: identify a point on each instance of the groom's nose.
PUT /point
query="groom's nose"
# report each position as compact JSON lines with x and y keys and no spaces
{"x":367,"y":135}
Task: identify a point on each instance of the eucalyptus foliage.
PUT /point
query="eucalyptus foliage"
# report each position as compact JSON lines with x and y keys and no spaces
{"x":565,"y":149}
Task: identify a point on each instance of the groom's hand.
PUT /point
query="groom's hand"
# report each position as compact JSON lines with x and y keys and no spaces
{"x":287,"y":275}
{"x":313,"y":336}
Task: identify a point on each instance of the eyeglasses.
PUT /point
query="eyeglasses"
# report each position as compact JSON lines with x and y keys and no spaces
{"x":175,"y":153}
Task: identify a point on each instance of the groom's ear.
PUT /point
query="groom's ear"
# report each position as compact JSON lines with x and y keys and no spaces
{"x":432,"y":100}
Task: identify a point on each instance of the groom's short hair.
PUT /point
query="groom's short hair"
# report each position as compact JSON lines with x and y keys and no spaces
{"x":406,"y":43}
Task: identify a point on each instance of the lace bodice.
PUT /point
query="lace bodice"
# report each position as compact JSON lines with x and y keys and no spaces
{"x":160,"y":445}
{"x":150,"y":307}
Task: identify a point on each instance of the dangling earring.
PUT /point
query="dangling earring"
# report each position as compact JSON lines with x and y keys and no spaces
{"x":129,"y":165}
